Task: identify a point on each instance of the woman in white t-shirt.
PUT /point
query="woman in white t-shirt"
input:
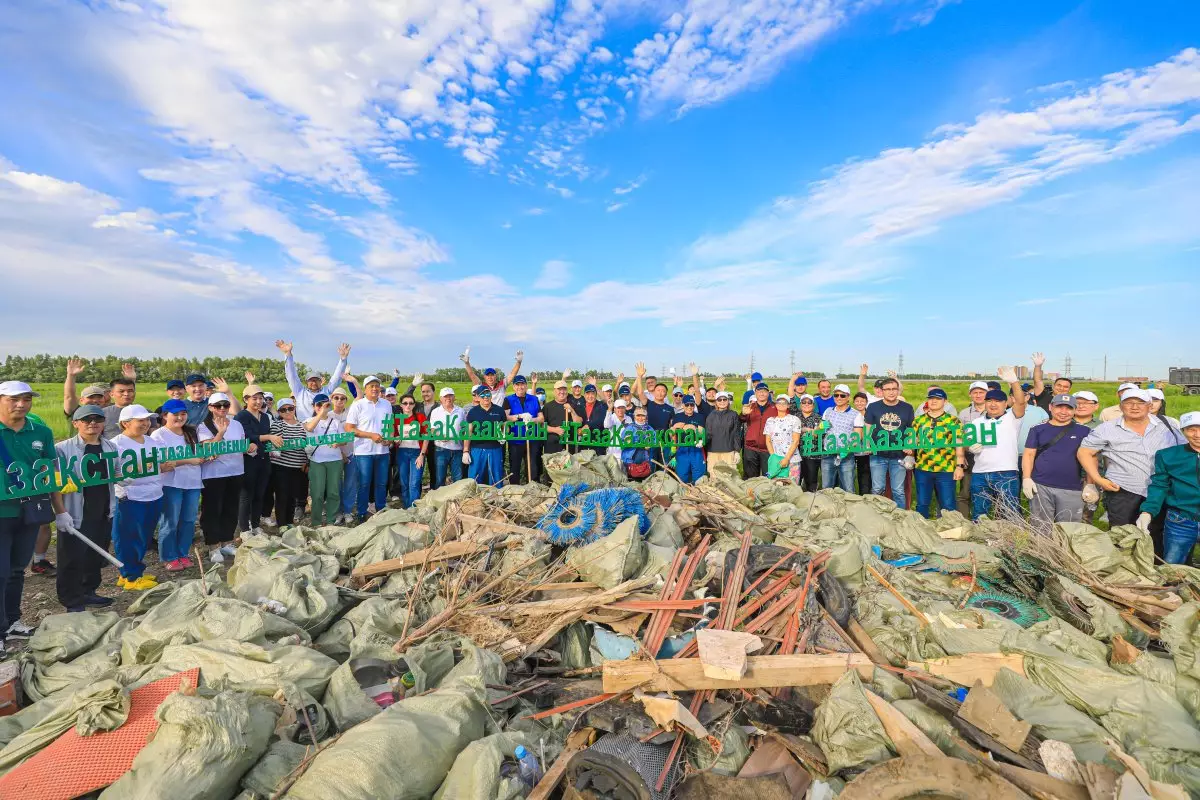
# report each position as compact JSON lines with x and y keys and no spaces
{"x":181,"y":487}
{"x":139,"y":499}
{"x":617,"y":419}
{"x":222,"y":477}
{"x":783,"y":441}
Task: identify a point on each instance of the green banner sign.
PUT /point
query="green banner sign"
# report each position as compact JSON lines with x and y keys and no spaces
{"x":574,"y":433}
{"x":451,"y":430}
{"x":817,"y":444}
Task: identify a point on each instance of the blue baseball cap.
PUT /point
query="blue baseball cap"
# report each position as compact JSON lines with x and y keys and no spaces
{"x":802,"y":381}
{"x":320,"y":398}
{"x":996,"y":394}
{"x":174,"y":383}
{"x":761,"y":385}
{"x":174,"y":407}
{"x":756,"y":377}
{"x":210,"y":384}
{"x":994,"y":385}
{"x":540,"y":390}
{"x":1027,"y":386}
{"x":489,"y":371}
{"x":624,"y":390}
{"x":519,"y":379}
{"x":195,"y":377}
{"x":689,"y":400}
{"x":936,"y":393}
{"x":591,"y":387}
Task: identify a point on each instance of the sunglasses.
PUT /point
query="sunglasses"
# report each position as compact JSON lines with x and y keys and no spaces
{"x":92,"y":420}
{"x":840,"y":394}
{"x":406,"y":403}
{"x":219,"y":405}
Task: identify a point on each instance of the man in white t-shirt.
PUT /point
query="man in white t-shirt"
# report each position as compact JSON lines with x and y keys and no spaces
{"x":492,"y":379}
{"x":451,"y":420}
{"x":995,"y":480}
{"x":365,"y":421}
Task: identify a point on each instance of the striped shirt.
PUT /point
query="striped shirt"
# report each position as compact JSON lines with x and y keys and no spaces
{"x":293,"y":459}
{"x":1130,"y":455}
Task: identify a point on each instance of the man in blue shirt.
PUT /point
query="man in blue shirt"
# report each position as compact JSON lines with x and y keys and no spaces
{"x":748,"y":395}
{"x":523,"y":407}
{"x":197,"y":397}
{"x":824,"y":398}
{"x":689,"y":460}
{"x":658,"y":415}
{"x":485,"y":457}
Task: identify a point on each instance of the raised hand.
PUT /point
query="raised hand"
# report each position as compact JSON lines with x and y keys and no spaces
{"x":719,"y":383}
{"x":862,"y":370}
{"x":74,"y":366}
{"x":620,"y":378}
{"x":220,"y":423}
{"x":249,"y":377}
{"x":343,"y":351}
{"x":520,"y":355}
{"x":129,"y":371}
{"x":693,"y":370}
{"x":592,"y":379}
{"x":1006,"y":374}
{"x":1039,"y":359}
{"x":221,"y":386}
{"x":350,"y":379}
{"x":284,"y":347}
{"x":417,"y":378}
{"x":891,"y":373}
{"x":395,"y":372}
{"x":466,"y":355}
{"x":640,"y":368}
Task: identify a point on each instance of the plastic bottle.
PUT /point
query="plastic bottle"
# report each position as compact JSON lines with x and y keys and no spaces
{"x":528,"y":768}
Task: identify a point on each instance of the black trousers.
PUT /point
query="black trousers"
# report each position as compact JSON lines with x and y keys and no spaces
{"x":220,"y":498}
{"x":79,"y":565}
{"x":1123,"y":509}
{"x":288,"y":484}
{"x":754,"y":462}
{"x":517,"y":472}
{"x":254,"y":491}
{"x":810,"y":474}
{"x":862,"y":468}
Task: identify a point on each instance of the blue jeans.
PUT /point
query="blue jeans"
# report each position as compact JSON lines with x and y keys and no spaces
{"x":487,"y":465}
{"x":133,"y":525}
{"x":409,"y":474}
{"x":883,"y":468}
{"x":926,"y":483}
{"x":689,"y":464}
{"x":372,"y":481}
{"x":179,"y":510}
{"x":998,"y":490}
{"x":1179,"y":537}
{"x":350,"y":486}
{"x":840,"y":475}
{"x":450,"y":461}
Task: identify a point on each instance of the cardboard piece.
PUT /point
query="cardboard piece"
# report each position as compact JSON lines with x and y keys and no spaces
{"x":723,"y":653}
{"x":983,"y":709}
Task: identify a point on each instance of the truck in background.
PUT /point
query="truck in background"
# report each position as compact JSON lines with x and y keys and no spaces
{"x":1187,"y":377}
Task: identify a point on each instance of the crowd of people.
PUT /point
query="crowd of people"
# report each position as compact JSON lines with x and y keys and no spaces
{"x":1052,"y":445}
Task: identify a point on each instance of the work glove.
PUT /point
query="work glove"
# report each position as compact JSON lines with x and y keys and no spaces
{"x":527,"y":417}
{"x":1143,"y":521}
{"x":64,"y":524}
{"x":466,"y":458}
{"x":976,"y":449}
{"x":1028,"y":488}
{"x":909,"y":462}
{"x":1090,"y":493}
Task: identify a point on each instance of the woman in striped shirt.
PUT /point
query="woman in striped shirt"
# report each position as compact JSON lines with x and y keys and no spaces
{"x":289,"y":467}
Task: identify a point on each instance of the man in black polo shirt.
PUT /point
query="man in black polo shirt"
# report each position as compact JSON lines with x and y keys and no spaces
{"x":484,"y":457}
{"x":557,"y":413}
{"x":658,"y":416}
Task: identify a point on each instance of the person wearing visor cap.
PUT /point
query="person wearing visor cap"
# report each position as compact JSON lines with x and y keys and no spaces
{"x":1129,"y":445}
{"x":995,"y":484}
{"x":689,"y":459}
{"x":557,"y":412}
{"x":1050,"y":469}
{"x":1174,"y":493}
{"x":524,"y":455}
{"x":496,"y":383}
{"x":313,"y":381}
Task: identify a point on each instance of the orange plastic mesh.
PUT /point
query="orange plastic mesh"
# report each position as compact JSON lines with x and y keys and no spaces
{"x":73,"y":765}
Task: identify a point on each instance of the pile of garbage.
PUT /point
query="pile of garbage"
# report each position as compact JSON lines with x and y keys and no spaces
{"x":601,"y":639}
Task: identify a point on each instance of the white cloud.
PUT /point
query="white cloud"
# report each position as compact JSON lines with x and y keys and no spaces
{"x":633,"y":185}
{"x":506,"y":225}
{"x":562,"y":191}
{"x":535,"y":211}
{"x":554,"y":275}
{"x":614,"y":207}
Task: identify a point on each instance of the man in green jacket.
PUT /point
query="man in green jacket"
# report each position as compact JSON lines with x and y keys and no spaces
{"x":1176,"y":485}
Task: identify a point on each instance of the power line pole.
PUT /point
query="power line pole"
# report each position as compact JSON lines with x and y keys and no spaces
{"x":792,"y":363}
{"x":752,"y":361}
{"x":1105,"y":367}
{"x":900,"y":366}
{"x":1067,"y":366}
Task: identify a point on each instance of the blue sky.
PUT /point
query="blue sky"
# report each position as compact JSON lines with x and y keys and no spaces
{"x":598,"y":181}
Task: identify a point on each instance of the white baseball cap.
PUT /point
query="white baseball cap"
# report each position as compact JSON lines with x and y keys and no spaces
{"x":370,"y":379}
{"x":1188,"y":419}
{"x":14,"y":388}
{"x":1136,"y":394}
{"x":726,"y":395}
{"x":1125,"y":386}
{"x":286,"y":402}
{"x":606,"y":387}
{"x":1086,"y":395}
{"x":390,"y":391}
{"x":620,"y":404}
{"x":803,"y":397}
{"x":575,"y":383}
{"x":1157,"y":394}
{"x":216,"y":397}
{"x":446,"y":392}
{"x":841,"y":387}
{"x":134,"y":411}
{"x":977,"y":385}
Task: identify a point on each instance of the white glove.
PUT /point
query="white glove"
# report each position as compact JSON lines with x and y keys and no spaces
{"x":909,"y":462}
{"x":466,"y":458}
{"x":64,"y":524}
{"x":527,"y":417}
{"x":975,"y":449}
{"x":1143,"y":522}
{"x":1028,"y":488}
{"x":1090,"y":493}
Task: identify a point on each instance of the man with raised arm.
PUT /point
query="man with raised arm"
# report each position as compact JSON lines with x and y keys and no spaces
{"x":497,"y":386}
{"x":1043,"y":394}
{"x":994,"y":478}
{"x":314,"y":383}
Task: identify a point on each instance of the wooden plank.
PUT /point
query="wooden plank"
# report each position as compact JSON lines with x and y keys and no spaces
{"x":907,"y":737}
{"x":445,"y":552}
{"x":970,"y":668}
{"x":584,"y":601}
{"x":496,"y":526}
{"x":762,"y":672}
{"x":864,"y":641}
{"x":576,"y":742}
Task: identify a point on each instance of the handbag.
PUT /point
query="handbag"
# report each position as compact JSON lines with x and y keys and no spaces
{"x":641,"y":470}
{"x":35,"y":510}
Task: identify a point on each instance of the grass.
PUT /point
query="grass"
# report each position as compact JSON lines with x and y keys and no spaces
{"x":49,"y":405}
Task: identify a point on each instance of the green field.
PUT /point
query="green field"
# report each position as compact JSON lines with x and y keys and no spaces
{"x":49,"y":405}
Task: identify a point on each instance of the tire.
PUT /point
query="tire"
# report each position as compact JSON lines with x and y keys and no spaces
{"x":930,"y":777}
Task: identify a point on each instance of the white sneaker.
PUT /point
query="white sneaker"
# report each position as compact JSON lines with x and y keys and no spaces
{"x":370,"y":509}
{"x":396,"y":498}
{"x":270,"y":521}
{"x":216,"y":557}
{"x":229,"y":550}
{"x":259,"y":532}
{"x":19,"y":630}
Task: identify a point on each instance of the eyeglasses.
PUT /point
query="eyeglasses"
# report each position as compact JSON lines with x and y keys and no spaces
{"x":806,"y":402}
{"x":92,"y":420}
{"x":219,"y":405}
{"x":406,"y":403}
{"x":840,"y":394}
